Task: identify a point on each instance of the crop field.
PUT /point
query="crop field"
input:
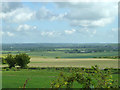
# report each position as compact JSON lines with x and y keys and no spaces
{"x":82,"y":62}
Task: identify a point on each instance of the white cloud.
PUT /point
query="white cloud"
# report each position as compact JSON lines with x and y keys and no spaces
{"x":18,"y":15}
{"x":58,"y":17}
{"x":10,"y":34}
{"x":114,"y":29}
{"x":50,"y":33}
{"x":95,"y":14}
{"x":94,"y":32}
{"x":70,"y":31}
{"x":1,"y":33}
{"x":25,"y":27}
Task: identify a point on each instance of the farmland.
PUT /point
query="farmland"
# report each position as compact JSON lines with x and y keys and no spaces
{"x":56,"y":56}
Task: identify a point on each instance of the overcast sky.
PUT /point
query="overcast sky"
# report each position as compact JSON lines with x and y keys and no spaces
{"x":70,"y":22}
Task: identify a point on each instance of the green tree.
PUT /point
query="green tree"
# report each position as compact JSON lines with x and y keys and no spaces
{"x":22,"y":60}
{"x":3,"y":60}
{"x":10,"y":60}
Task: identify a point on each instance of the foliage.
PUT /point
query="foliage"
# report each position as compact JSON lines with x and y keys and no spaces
{"x":10,"y":60}
{"x":111,"y":57}
{"x":57,"y":57}
{"x":94,"y":78}
{"x":22,"y":60}
{"x":2,"y":60}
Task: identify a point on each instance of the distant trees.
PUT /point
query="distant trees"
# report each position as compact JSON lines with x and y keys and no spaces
{"x":21,"y":59}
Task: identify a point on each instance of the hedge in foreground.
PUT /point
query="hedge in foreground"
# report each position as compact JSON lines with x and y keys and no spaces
{"x":94,"y":78}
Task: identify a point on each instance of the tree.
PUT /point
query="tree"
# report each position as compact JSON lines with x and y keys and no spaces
{"x":3,"y":60}
{"x":22,"y":60}
{"x":10,"y":60}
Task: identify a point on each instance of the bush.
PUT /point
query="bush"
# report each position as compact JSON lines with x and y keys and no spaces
{"x":57,"y":57}
{"x":95,"y":78}
{"x":22,"y":60}
{"x":10,"y":60}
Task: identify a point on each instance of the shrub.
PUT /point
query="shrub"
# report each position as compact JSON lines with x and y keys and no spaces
{"x":57,"y":57}
{"x":10,"y":60}
{"x":22,"y":60}
{"x":94,"y":78}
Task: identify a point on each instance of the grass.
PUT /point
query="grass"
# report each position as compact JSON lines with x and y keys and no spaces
{"x":37,"y":78}
{"x":61,"y":54}
{"x":51,"y":62}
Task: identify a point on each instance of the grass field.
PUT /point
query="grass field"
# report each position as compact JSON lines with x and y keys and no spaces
{"x":37,"y":78}
{"x":61,"y":54}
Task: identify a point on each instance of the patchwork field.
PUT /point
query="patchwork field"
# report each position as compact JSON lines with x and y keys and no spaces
{"x":46,"y":56}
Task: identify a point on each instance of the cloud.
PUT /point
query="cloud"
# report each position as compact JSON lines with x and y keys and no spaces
{"x":58,"y":17}
{"x":70,"y":31}
{"x":18,"y":15}
{"x":46,"y":14}
{"x":94,"y":32}
{"x":115,"y":29}
{"x":10,"y":34}
{"x":95,"y":14}
{"x":10,"y":6}
{"x":1,"y":33}
{"x":93,"y":23}
{"x":25,"y":27}
{"x":50,"y":33}
{"x":43,"y":13}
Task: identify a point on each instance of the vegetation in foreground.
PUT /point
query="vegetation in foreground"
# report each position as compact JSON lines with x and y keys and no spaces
{"x":55,"y":77}
{"x":94,"y":78}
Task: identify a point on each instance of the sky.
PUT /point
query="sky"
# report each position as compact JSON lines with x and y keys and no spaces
{"x":59,"y":22}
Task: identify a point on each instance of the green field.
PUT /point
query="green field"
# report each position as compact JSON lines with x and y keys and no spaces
{"x":61,"y":54}
{"x":37,"y":78}
{"x":53,"y":56}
